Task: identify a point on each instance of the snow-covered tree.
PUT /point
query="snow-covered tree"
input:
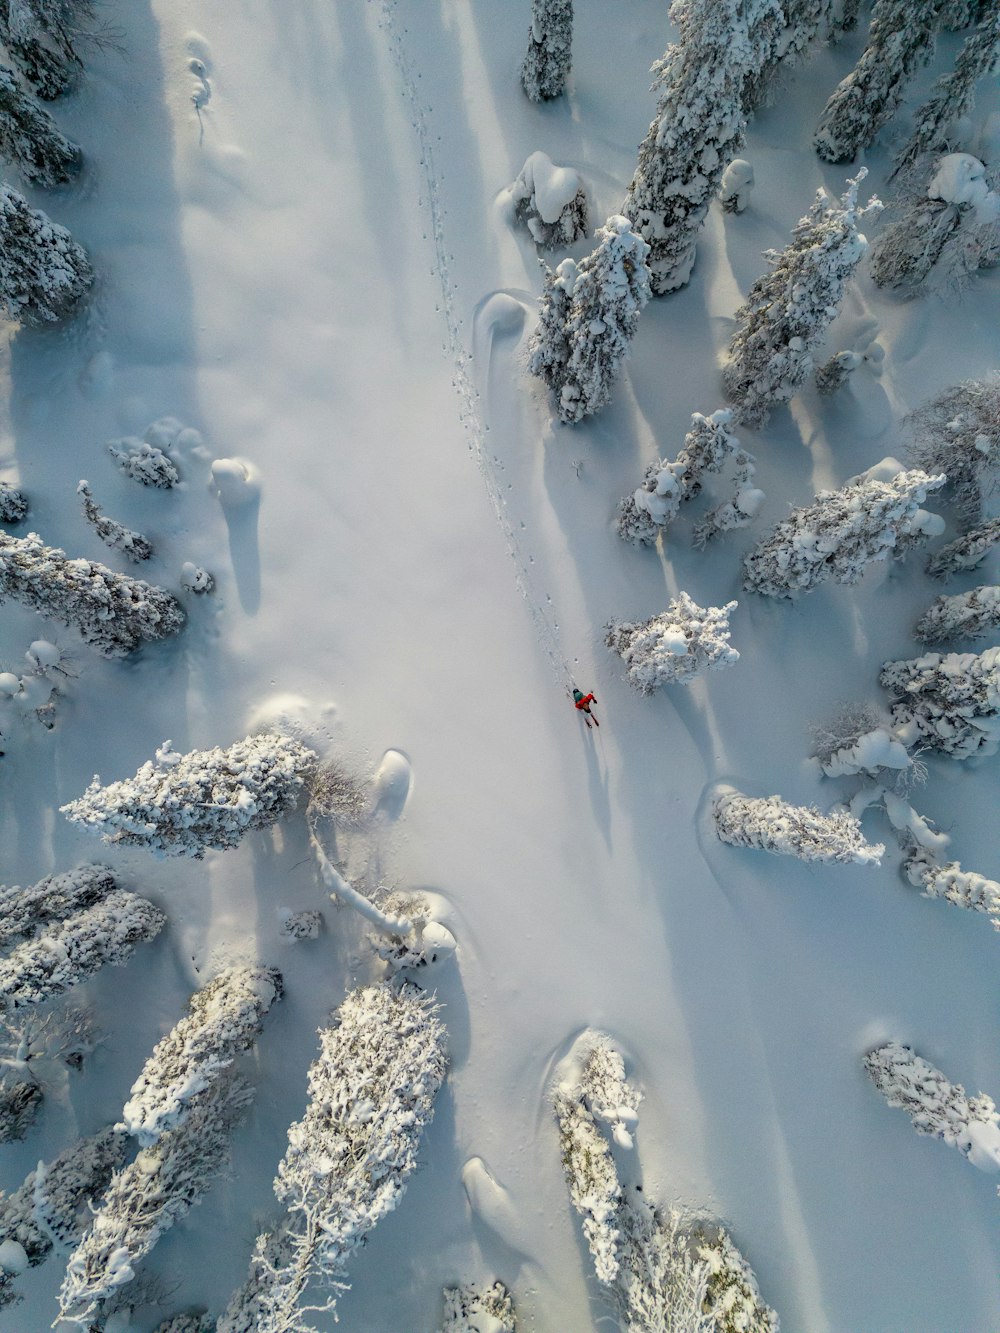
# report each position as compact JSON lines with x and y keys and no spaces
{"x":144,"y":462}
{"x":698,"y":129}
{"x":472,"y":1309}
{"x":113,"y":612}
{"x":42,"y":37}
{"x":946,"y":231}
{"x":966,"y":552}
{"x":967,"y":615}
{"x":43,"y":272}
{"x":594,"y":1188}
{"x":195,"y":579}
{"x":957,"y":14}
{"x":841,"y":533}
{"x":13,"y":505}
{"x":54,"y":898}
{"x":773,"y":825}
{"x":788,"y":310}
{"x":737,"y":182}
{"x":550,"y":49}
{"x":550,"y":202}
{"x":63,"y":955}
{"x":548,"y":346}
{"x":834,"y":374}
{"x":182,"y":805}
{"x":304,"y":925}
{"x":936,"y":1106}
{"x":844,"y":17}
{"x":149,"y":1196}
{"x":901,"y":39}
{"x":133,"y":545}
{"x":683,"y":642}
{"x":964,"y":888}
{"x":30,"y":138}
{"x":224,"y":1019}
{"x":958,"y":433}
{"x":948,"y":702}
{"x":800,"y":23}
{"x":732,"y":1296}
{"x":953,"y":96}
{"x":194,"y":1322}
{"x":610,"y":289}
{"x":371,"y":1092}
{"x":20,"y":1101}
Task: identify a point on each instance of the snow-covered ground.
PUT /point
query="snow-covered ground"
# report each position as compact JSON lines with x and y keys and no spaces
{"x":305,"y":256}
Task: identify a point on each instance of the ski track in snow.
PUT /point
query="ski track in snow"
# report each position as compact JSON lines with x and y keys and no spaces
{"x":471,"y":417}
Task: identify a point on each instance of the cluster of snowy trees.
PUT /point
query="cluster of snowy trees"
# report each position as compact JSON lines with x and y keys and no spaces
{"x":771,"y":824}
{"x":675,"y":647}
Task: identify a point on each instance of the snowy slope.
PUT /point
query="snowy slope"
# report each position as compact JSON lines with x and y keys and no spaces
{"x":315,"y":271}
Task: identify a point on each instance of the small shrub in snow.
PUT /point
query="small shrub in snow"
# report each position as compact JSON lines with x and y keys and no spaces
{"x":610,"y":288}
{"x":20,"y":1101}
{"x":149,"y":1196}
{"x":31,"y":139}
{"x":834,"y":374}
{"x":196,"y":579}
{"x":873,"y":752}
{"x":737,"y":182}
{"x":967,"y":615}
{"x":182,"y":805}
{"x":948,"y":702}
{"x":54,"y":898}
{"x":479,"y":1310}
{"x":773,"y":825}
{"x":550,"y":49}
{"x":371,"y":1092}
{"x":788,"y":310}
{"x":113,"y":612}
{"x":425,"y":942}
{"x":133,"y":545}
{"x":339,"y":794}
{"x":42,"y":37}
{"x":43,"y":272}
{"x":145,"y":463}
{"x":900,"y":40}
{"x":70,"y":951}
{"x":958,"y":433}
{"x":675,"y":647}
{"x":841,"y":533}
{"x":966,"y":552}
{"x":224,"y":1019}
{"x":936,"y":1106}
{"x":13,"y":505}
{"x":550,"y":202}
{"x":301,"y":926}
{"x":964,"y":888}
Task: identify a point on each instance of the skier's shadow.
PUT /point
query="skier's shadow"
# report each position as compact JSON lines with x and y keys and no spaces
{"x":597,"y":781}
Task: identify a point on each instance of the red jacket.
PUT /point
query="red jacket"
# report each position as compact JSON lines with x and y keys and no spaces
{"x":586,"y":701}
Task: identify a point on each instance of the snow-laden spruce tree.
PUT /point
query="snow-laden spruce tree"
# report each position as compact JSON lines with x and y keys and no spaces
{"x":113,"y":612}
{"x":967,"y":615}
{"x":224,"y":1019}
{"x":42,"y":37}
{"x":965,"y":552}
{"x":30,"y":138}
{"x":549,"y":56}
{"x":841,"y":533}
{"x":698,"y":129}
{"x":133,"y":545}
{"x":773,"y":825}
{"x":13,"y":505}
{"x":64,"y":954}
{"x":957,"y":14}
{"x":194,"y":1322}
{"x":958,"y":433}
{"x":144,"y":462}
{"x":610,"y":289}
{"x":550,"y":202}
{"x":548,"y":346}
{"x":947,"y":701}
{"x":20,"y":1101}
{"x":800,"y":23}
{"x":964,"y":888}
{"x":149,"y":1196}
{"x":43,"y":272}
{"x":901,"y":39}
{"x":767,"y":42}
{"x":675,"y":647}
{"x":182,"y":805}
{"x":472,"y":1309}
{"x":936,"y":1106}
{"x":54,"y":898}
{"x":953,"y":96}
{"x":947,"y":230}
{"x":788,"y":309}
{"x":371,"y":1093}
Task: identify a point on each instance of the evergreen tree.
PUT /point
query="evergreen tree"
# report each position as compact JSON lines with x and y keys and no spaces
{"x":549,"y":55}
{"x":948,"y":702}
{"x":42,"y":37}
{"x":611,"y":288}
{"x":30,"y":138}
{"x":841,"y":533}
{"x":900,"y":40}
{"x":20,"y":1101}
{"x":768,"y":41}
{"x":54,"y":898}
{"x":112,"y":612}
{"x":699,"y":127}
{"x":673,"y":648}
{"x":773,"y":825}
{"x":133,"y":545}
{"x":144,"y":462}
{"x":43,"y":272}
{"x":550,"y":202}
{"x":965,"y":552}
{"x":956,"y":14}
{"x":958,"y":433}
{"x":968,"y":615}
{"x":548,"y":346}
{"x":963,"y":888}
{"x":801,"y":22}
{"x":184,"y":804}
{"x":187,"y":1323}
{"x":13,"y":505}
{"x":788,"y":309}
{"x":475,"y":1309}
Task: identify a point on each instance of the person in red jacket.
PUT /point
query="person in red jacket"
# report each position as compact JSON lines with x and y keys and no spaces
{"x":582,"y":702}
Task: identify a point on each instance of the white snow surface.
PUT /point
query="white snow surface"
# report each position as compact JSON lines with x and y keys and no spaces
{"x":291,"y":207}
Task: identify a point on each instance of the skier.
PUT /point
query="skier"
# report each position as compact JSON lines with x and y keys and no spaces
{"x":582,"y":702}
